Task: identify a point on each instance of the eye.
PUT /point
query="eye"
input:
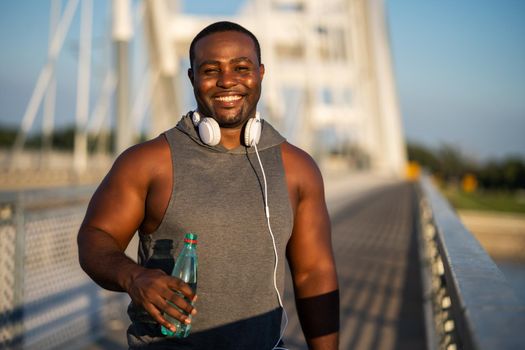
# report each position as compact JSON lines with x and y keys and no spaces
{"x":242,"y":68}
{"x":211,"y":70}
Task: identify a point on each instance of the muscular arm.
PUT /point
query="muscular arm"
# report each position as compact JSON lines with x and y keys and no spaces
{"x":309,"y":250}
{"x":113,"y":215}
{"x":115,"y":212}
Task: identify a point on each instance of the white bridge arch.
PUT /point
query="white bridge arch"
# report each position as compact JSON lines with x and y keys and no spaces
{"x":329,"y":85}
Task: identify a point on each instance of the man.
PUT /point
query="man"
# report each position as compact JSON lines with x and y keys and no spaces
{"x":182,"y":182}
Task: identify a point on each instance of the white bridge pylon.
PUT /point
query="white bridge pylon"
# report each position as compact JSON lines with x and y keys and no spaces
{"x":328,"y":86}
{"x":328,"y":82}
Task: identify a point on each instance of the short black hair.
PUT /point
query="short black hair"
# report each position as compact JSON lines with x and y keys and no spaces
{"x":223,"y":26}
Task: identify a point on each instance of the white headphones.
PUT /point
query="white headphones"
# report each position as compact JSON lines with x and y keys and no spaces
{"x":210,"y":132}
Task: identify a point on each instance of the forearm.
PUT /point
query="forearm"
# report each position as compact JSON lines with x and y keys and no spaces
{"x":326,"y":342}
{"x":104,"y":261}
{"x":319,"y":317}
{"x":317,"y":302}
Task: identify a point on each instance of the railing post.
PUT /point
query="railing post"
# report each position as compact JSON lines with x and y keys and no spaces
{"x":12,"y":237}
{"x":440,"y":323}
{"x":473,"y":306}
{"x":19,"y":259}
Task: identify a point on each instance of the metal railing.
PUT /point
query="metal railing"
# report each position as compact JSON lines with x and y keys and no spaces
{"x":46,"y":300}
{"x":468,"y":302}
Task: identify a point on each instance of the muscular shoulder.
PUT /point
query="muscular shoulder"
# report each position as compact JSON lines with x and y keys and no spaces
{"x":302,"y":173}
{"x":141,"y":163}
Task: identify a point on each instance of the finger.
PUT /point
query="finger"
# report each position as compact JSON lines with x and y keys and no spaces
{"x":178,"y":300}
{"x":157,"y":316}
{"x":174,"y":313}
{"x":181,"y":286}
{"x":171,"y":312}
{"x":176,"y":307}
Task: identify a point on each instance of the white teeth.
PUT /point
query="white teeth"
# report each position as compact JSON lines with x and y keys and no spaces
{"x":228,"y":98}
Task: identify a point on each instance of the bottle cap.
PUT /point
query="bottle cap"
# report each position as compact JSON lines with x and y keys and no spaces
{"x":190,"y":238}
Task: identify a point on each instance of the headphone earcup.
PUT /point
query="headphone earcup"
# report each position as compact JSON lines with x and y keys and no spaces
{"x":209,"y":131}
{"x":252,"y":132}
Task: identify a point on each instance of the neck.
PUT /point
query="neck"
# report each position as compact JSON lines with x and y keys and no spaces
{"x":231,"y":137}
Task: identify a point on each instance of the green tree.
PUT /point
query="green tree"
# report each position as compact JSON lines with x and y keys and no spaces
{"x":454,"y":164}
{"x":7,"y":136}
{"x":423,"y":156}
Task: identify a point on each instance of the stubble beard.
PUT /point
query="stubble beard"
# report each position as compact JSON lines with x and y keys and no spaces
{"x":227,"y":120}
{"x":231,"y":122}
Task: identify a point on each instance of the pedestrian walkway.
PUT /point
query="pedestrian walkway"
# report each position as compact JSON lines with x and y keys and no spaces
{"x":375,"y":244}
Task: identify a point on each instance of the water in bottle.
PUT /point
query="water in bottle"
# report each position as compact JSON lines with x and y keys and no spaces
{"x":185,"y":269}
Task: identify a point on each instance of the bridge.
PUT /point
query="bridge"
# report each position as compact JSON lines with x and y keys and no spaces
{"x":411,"y":275}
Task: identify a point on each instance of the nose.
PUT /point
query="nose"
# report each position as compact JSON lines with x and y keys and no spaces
{"x":226,"y":79}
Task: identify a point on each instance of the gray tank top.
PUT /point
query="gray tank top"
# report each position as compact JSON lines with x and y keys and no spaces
{"x":218,"y":194}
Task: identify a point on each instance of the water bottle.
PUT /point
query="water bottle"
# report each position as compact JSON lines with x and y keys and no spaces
{"x":185,"y":269}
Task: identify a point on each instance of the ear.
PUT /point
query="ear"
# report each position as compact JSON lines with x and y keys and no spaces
{"x":261,"y":71}
{"x":190,"y":75}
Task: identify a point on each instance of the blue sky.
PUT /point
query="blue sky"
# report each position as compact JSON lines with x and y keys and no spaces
{"x":459,"y":67}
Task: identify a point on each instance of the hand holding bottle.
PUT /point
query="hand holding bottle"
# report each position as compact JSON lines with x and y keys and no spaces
{"x":186,"y":269}
{"x":160,"y":294}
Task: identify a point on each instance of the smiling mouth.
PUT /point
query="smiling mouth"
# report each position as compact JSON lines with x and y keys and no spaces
{"x":230,"y":98}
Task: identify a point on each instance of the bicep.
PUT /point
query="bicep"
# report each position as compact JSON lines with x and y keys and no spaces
{"x":309,"y":250}
{"x":117,"y":206}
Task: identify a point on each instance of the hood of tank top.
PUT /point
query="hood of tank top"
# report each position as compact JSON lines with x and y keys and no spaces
{"x":269,"y":137}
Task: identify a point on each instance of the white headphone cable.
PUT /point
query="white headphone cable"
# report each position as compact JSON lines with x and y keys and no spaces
{"x":267,"y":212}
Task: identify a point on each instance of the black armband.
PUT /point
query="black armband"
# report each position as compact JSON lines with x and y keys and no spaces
{"x":319,"y":315}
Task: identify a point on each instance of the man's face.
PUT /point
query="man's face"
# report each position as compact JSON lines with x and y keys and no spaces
{"x":226,"y":77}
